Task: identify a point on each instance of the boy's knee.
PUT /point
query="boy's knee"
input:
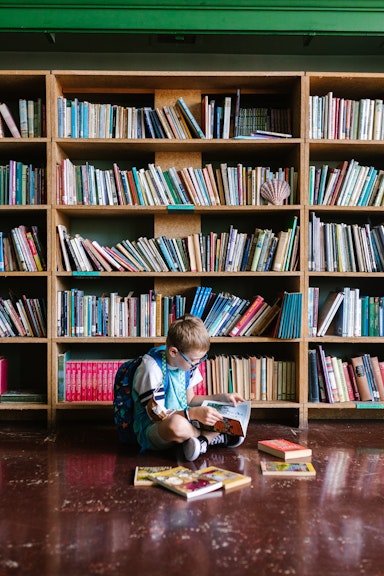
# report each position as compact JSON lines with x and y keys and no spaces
{"x":178,"y":428}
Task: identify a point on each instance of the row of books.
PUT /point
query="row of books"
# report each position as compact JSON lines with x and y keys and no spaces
{"x":224,"y":117}
{"x":255,"y":378}
{"x":345,"y":313}
{"x":28,"y":121}
{"x":22,"y":184}
{"x":112,"y":315}
{"x":149,"y":314}
{"x":340,"y":247}
{"x":337,"y":118}
{"x":332,"y":379}
{"x":22,"y":250}
{"x":228,"y":315}
{"x":231,"y":251}
{"x":86,"y":380}
{"x":348,"y":184}
{"x":208,"y":186}
{"x":23,"y":317}
{"x":77,"y":119}
{"x":188,"y":483}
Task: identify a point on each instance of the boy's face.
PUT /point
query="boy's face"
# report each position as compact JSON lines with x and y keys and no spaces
{"x":187,"y":360}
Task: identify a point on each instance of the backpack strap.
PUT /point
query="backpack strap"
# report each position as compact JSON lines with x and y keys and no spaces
{"x":158,"y":354}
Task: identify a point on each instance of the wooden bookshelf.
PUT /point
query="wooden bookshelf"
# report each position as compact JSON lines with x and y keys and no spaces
{"x":29,"y":358}
{"x":110,"y":224}
{"x":333,"y":151}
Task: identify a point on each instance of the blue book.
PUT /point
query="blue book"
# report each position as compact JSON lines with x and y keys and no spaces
{"x":283,"y":316}
{"x":227,"y":313}
{"x":75,"y":118}
{"x":364,"y":199}
{"x":85,"y":119}
{"x":60,"y":117}
{"x":323,"y":178}
{"x":238,"y":308}
{"x":161,"y":241}
{"x":217,"y":305}
{"x":370,"y":379}
{"x":196,"y":300}
{"x":138,"y":187}
{"x":219,"y":316}
{"x":204,"y":301}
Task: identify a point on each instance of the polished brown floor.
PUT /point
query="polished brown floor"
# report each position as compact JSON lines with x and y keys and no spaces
{"x":68,"y":507}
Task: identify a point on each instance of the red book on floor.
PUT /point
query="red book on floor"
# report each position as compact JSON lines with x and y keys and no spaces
{"x":284,"y":448}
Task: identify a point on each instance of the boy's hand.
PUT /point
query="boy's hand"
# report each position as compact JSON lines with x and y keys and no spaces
{"x":234,"y":398}
{"x":205,"y":414}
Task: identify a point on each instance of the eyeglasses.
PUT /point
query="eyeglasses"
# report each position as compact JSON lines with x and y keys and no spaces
{"x":192,"y":364}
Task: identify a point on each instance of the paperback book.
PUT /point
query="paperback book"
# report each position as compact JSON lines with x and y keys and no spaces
{"x":284,"y":469}
{"x":235,"y":418}
{"x":140,"y":477}
{"x":284,"y":448}
{"x":229,"y":479}
{"x":184,"y":482}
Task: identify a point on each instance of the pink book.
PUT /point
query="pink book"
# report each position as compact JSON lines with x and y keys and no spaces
{"x":77,"y":388}
{"x":69,"y":381}
{"x":3,"y":374}
{"x":99,"y":386}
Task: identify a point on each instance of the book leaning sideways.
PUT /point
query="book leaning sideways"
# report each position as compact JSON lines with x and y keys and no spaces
{"x":284,"y":449}
{"x":287,"y":469}
{"x":235,"y":418}
{"x":185,"y":482}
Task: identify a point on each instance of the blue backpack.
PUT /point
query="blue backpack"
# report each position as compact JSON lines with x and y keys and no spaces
{"x":123,"y":404}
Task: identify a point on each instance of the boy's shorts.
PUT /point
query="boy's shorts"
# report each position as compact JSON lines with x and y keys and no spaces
{"x":154,"y":440}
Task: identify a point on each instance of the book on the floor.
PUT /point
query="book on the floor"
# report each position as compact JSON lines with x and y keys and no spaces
{"x":141,"y":474}
{"x":284,"y":469}
{"x":229,"y":479}
{"x":185,"y":482}
{"x":236,"y":418}
{"x":284,"y":448}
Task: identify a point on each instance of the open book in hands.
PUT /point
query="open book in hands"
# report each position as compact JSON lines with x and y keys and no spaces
{"x":235,"y":418}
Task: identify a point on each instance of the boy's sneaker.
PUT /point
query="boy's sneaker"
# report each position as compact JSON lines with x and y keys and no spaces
{"x":235,"y":441}
{"x":194,"y":447}
{"x":227,"y":440}
{"x":219,"y":440}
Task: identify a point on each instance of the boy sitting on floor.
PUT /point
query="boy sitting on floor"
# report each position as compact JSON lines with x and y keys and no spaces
{"x":166,"y":409}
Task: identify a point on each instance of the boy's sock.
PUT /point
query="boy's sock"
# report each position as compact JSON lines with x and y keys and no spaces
{"x":194,"y":447}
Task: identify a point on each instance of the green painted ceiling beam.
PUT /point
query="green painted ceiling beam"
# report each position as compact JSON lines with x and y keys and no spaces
{"x":350,"y":17}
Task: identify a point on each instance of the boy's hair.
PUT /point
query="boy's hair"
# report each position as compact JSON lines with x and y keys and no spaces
{"x":188,"y":333}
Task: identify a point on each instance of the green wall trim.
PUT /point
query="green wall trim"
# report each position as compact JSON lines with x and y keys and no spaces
{"x":350,"y":17}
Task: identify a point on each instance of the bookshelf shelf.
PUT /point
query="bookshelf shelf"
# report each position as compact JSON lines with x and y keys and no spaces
{"x":109,"y":224}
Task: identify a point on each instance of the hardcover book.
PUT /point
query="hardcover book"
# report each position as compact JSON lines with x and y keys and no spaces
{"x":140,"y":477}
{"x":285,"y":469}
{"x":184,"y":482}
{"x":235,"y":418}
{"x":284,"y":448}
{"x":229,"y":479}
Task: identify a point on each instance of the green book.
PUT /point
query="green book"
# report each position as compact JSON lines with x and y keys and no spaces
{"x":23,"y":396}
